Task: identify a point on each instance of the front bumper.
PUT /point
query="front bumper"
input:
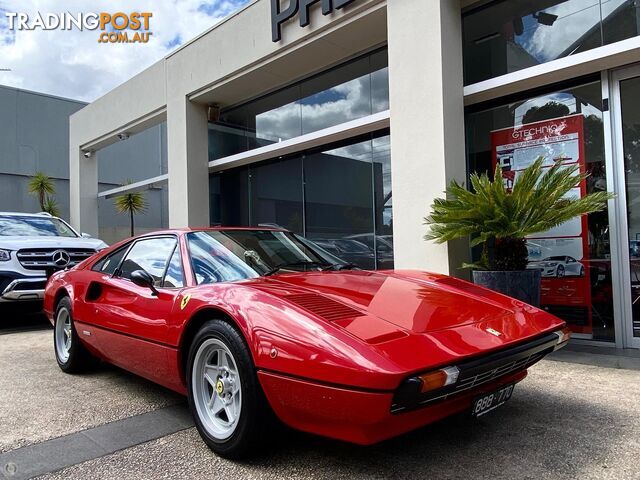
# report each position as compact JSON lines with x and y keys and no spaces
{"x":366,"y":417}
{"x":356,"y":416}
{"x":23,"y":289}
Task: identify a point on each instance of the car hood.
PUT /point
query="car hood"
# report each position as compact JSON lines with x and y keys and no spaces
{"x":397,"y":310}
{"x":409,"y":303}
{"x":16,"y":243}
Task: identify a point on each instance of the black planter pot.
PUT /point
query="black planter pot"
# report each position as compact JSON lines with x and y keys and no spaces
{"x":521,"y":284}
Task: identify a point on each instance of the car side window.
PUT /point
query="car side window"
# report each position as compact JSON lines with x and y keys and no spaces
{"x":174,"y":278}
{"x":150,"y":255}
{"x":109,"y":263}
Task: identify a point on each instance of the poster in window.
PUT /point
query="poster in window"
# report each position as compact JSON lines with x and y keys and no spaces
{"x":561,"y":254}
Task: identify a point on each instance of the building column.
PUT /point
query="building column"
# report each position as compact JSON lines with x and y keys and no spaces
{"x":188,"y":163}
{"x":427,"y":124}
{"x":83,"y":189}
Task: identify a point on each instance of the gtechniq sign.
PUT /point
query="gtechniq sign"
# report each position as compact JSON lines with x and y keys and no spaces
{"x":280,"y":15}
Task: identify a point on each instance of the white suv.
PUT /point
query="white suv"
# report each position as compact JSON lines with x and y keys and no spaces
{"x":32,"y":247}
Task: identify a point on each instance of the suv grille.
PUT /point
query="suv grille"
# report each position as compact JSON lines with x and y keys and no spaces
{"x":43,"y":258}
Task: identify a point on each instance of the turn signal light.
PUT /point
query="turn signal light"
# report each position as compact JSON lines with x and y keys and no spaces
{"x":439,"y":378}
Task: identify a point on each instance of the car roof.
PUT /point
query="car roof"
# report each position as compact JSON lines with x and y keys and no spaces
{"x":19,"y":214}
{"x":210,"y":229}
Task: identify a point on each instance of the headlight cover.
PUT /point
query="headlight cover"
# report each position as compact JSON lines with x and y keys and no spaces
{"x":5,"y":255}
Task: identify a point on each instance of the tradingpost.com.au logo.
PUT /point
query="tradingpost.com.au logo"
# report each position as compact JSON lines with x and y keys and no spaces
{"x":116,"y":27}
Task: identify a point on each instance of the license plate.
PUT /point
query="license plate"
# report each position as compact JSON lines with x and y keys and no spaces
{"x":491,"y":401}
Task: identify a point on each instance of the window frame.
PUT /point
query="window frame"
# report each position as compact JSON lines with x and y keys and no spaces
{"x":166,"y":269}
{"x":116,"y":273}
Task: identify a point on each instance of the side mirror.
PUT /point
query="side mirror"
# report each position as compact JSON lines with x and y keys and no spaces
{"x":143,"y":279}
{"x":85,"y":235}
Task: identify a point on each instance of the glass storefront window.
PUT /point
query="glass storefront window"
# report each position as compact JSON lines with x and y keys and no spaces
{"x":509,"y":35}
{"x":339,"y":201}
{"x":629,"y":95}
{"x":339,"y":197}
{"x":276,"y":194}
{"x":229,"y":198}
{"x":354,"y":90}
{"x":574,"y":258}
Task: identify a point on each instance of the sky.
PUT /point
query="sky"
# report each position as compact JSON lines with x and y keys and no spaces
{"x":73,"y":64}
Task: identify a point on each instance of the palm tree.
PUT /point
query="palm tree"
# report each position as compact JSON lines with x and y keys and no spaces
{"x":41,"y":185}
{"x":538,"y":202}
{"x":51,"y":207}
{"x":132,"y":203}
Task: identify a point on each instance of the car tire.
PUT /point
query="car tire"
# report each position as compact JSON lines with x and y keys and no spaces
{"x":71,"y":355}
{"x":228,"y":406}
{"x":581,"y":274}
{"x":560,"y":271}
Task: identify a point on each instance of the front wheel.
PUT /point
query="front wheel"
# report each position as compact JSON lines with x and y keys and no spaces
{"x":225,"y":398}
{"x":71,"y":355}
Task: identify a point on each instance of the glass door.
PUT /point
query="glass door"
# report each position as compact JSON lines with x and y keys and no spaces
{"x":626,"y":128}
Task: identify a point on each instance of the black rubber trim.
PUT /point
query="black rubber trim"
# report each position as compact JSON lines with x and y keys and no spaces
{"x":326,"y":384}
{"x":136,"y":337}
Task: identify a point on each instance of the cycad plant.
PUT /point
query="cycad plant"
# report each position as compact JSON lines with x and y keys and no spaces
{"x":132,"y":203}
{"x":538,"y":201}
{"x":42,"y":186}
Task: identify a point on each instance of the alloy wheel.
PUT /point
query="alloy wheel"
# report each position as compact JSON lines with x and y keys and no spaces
{"x":64,"y":334}
{"x":217,"y":388}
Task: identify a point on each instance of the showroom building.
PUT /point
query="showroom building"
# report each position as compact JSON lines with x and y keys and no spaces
{"x":343,"y":120}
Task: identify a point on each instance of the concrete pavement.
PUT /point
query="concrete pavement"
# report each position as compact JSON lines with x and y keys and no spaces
{"x":566,"y":420}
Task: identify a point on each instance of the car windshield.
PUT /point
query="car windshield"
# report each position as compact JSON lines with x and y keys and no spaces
{"x":556,"y":259}
{"x":231,"y":255}
{"x":28,"y":226}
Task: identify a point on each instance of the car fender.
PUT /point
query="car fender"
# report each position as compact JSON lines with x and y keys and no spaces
{"x":57,"y":286}
{"x":285,"y":339}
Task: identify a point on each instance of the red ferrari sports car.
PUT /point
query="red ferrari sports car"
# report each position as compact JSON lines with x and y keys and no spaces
{"x":246,"y":322}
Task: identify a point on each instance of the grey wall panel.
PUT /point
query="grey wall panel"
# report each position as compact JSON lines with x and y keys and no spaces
{"x":34,"y":136}
{"x":137,"y":158}
{"x":114,"y":226}
{"x":42,"y":134}
{"x":15,"y":196}
{"x":8,"y":130}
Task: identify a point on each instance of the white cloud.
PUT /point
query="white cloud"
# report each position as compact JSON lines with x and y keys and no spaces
{"x":73,"y":64}
{"x":575,"y":19}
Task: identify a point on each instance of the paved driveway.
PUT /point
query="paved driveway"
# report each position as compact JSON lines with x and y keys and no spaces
{"x":564,"y":421}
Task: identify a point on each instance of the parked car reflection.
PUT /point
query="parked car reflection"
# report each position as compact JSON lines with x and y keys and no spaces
{"x":558,"y":266}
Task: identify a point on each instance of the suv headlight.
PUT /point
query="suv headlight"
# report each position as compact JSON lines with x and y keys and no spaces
{"x":5,"y":255}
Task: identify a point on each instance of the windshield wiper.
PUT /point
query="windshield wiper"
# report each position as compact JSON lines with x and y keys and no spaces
{"x":304,"y":263}
{"x":341,"y":266}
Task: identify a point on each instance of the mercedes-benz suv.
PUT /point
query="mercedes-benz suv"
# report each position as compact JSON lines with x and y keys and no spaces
{"x":32,"y":247}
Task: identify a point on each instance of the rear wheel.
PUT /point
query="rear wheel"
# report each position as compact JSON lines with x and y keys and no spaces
{"x":71,"y":355}
{"x":225,"y":398}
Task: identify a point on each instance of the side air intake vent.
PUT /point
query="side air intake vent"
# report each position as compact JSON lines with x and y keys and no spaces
{"x":323,"y":307}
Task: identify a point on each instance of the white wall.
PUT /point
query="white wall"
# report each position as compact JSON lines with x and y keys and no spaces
{"x":427,"y":124}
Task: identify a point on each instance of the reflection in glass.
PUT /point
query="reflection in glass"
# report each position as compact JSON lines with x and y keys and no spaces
{"x":510,"y":35}
{"x":340,"y":197}
{"x":339,"y":201}
{"x":150,"y":255}
{"x":276,"y":194}
{"x":229,"y":197}
{"x":585,"y":302}
{"x":629,"y":95}
{"x":347,"y":92}
{"x":383,"y":205}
